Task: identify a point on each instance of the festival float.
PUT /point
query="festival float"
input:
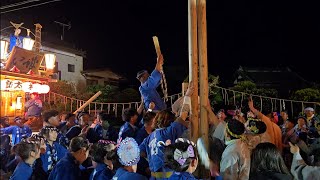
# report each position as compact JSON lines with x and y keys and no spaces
{"x":24,"y":69}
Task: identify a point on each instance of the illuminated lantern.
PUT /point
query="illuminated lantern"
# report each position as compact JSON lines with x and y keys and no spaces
{"x":4,"y":49}
{"x":6,"y":84}
{"x":36,"y":88}
{"x":28,"y":42}
{"x":19,"y":102}
{"x":16,"y":85}
{"x":44,"y":89}
{"x":50,"y":61}
{"x":27,"y":87}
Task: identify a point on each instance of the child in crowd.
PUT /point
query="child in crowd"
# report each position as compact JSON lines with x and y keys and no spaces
{"x":54,"y":151}
{"x":181,"y":157}
{"x":68,"y":167}
{"x":104,"y":153}
{"x":18,"y":131}
{"x":129,"y":156}
{"x":28,"y":150}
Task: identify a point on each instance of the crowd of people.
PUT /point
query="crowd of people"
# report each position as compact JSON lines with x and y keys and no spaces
{"x":154,"y":142}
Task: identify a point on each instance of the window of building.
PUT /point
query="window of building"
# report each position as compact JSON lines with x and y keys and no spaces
{"x":71,"y":68}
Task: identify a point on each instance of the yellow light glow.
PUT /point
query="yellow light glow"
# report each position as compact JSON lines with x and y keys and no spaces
{"x":19,"y":103}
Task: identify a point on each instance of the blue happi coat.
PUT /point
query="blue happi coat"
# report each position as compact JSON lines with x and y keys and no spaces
{"x":66,"y":169}
{"x":52,"y":156}
{"x":148,"y":91}
{"x":17,"y":132}
{"x":154,"y":149}
{"x":122,"y":174}
{"x":101,"y":172}
{"x":23,"y":171}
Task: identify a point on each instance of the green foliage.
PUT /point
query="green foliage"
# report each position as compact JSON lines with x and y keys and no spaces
{"x":63,"y":87}
{"x":251,"y":88}
{"x":308,"y":94}
{"x":109,"y":93}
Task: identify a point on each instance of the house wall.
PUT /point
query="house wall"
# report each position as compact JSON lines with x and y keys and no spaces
{"x":64,"y":59}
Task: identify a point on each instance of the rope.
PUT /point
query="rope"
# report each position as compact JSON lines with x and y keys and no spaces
{"x":266,"y":97}
{"x":164,"y":86}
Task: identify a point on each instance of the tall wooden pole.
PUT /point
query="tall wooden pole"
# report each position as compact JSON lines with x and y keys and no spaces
{"x":193,"y":67}
{"x":203,"y":68}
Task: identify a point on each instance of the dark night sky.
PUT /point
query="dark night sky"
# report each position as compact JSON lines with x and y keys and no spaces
{"x":118,"y":34}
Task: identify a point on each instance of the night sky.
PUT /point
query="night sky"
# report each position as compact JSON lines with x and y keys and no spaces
{"x":118,"y":34}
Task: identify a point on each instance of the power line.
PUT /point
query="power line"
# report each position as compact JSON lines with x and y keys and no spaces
{"x":30,"y":6}
{"x":17,"y":4}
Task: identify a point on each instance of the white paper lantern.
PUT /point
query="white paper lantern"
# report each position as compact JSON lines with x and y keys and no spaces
{"x":44,"y":89}
{"x":28,"y":43}
{"x":36,"y":88}
{"x":50,"y":60}
{"x":16,"y":85}
{"x":27,"y":87}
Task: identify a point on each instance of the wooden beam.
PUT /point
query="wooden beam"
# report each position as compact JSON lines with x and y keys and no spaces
{"x":193,"y":67}
{"x":203,"y":68}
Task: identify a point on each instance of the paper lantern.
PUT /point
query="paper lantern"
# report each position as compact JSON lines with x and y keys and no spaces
{"x":4,"y":49}
{"x":44,"y":89}
{"x":50,"y":60}
{"x":27,"y":87}
{"x":28,"y":43}
{"x":36,"y":88}
{"x":16,"y":85}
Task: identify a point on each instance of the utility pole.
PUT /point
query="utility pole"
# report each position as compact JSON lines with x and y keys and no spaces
{"x":63,"y":26}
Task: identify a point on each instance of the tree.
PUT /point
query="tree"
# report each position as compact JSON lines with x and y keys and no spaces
{"x":308,"y":94}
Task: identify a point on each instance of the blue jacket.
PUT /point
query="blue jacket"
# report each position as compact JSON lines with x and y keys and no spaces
{"x":76,"y":130}
{"x":127,"y":130}
{"x":34,"y":107}
{"x":23,"y":171}
{"x":148,"y":91}
{"x":181,"y":176}
{"x":101,"y":172}
{"x":122,"y":174}
{"x":66,"y":169}
{"x":154,"y":150}
{"x":141,"y":135}
{"x":17,"y":132}
{"x":110,"y":135}
{"x":52,"y":156}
